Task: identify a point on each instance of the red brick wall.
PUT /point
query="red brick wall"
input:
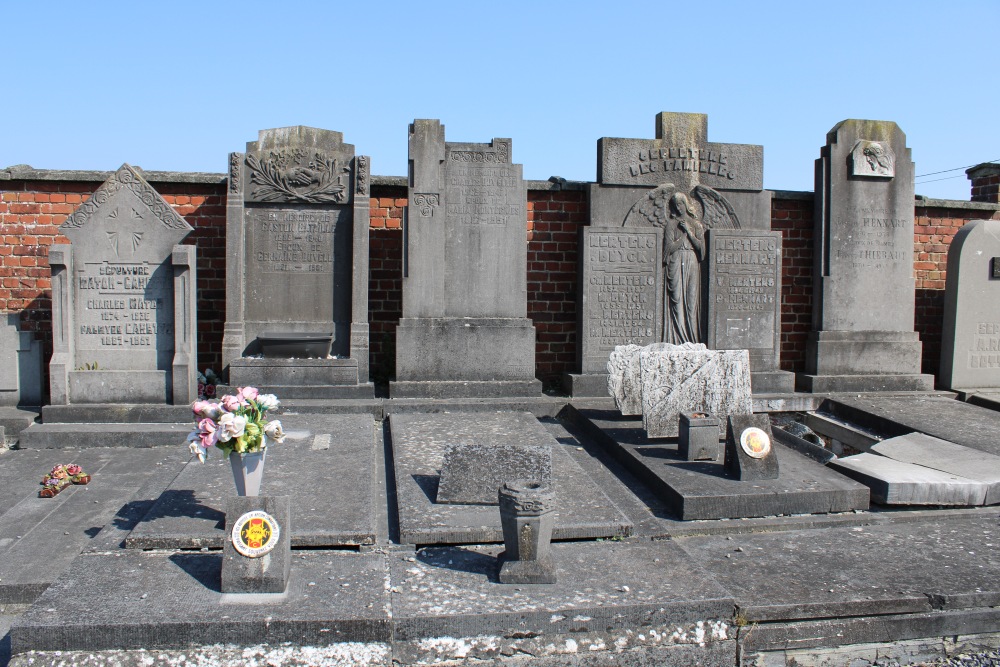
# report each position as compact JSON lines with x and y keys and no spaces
{"x":385,"y":286}
{"x":794,"y":219}
{"x":986,"y":188}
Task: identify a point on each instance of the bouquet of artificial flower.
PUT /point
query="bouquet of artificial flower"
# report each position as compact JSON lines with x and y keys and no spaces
{"x":60,"y":477}
{"x":235,"y":424}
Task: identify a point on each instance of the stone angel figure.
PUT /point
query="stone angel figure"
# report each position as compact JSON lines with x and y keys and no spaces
{"x":684,"y":219}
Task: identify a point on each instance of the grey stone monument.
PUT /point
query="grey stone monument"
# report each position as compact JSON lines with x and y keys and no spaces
{"x":527,"y":516}
{"x":970,"y":346}
{"x":124,"y":320}
{"x":464,"y":330}
{"x":644,"y":255}
{"x":257,"y":552}
{"x":297,"y":270}
{"x":21,"y":365}
{"x":863,"y":286}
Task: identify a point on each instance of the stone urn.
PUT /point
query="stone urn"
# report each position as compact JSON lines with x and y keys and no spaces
{"x":698,"y":437}
{"x":526,"y":514}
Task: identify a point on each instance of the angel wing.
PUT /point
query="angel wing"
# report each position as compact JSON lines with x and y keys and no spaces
{"x":652,"y":209}
{"x":718,"y":213}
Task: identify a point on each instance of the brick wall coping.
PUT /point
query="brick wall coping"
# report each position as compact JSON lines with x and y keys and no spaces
{"x":984,"y":169}
{"x":928,"y":202}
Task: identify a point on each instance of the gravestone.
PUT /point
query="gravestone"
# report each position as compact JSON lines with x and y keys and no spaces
{"x":676,"y":380}
{"x":257,"y":553}
{"x":863,"y":286}
{"x":624,"y":379}
{"x":970,"y":345}
{"x":123,"y":300}
{"x":645,"y":253}
{"x":472,"y":473}
{"x":464,"y":330}
{"x":750,"y":454}
{"x":297,"y":270}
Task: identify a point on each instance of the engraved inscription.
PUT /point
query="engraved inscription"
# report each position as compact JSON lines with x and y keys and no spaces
{"x":985,"y":348}
{"x":622,"y":270}
{"x":666,"y":160}
{"x":874,"y":243}
{"x":484,"y":195}
{"x":124,"y":306}
{"x":291,"y":241}
{"x":744,"y":287}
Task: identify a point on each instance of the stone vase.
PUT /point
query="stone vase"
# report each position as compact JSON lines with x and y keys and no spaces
{"x":248,"y":471}
{"x":526,"y":515}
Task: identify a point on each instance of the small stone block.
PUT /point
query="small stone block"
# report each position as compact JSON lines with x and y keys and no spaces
{"x":698,"y":436}
{"x":472,"y":473}
{"x":267,"y":572}
{"x":899,"y":483}
{"x":541,"y":571}
{"x":750,"y":453}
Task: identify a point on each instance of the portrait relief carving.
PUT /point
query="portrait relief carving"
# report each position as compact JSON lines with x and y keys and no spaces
{"x":685,"y":217}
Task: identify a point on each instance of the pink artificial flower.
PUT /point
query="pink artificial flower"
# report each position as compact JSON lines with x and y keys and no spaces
{"x":207,"y":433}
{"x":247,"y":393}
{"x":209,"y":390}
{"x":230,"y":403}
{"x":73,"y":469}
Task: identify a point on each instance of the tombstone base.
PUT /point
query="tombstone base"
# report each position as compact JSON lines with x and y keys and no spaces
{"x":319,"y":391}
{"x":459,"y":389}
{"x":257,"y":372}
{"x":772,"y":382}
{"x":541,"y":571}
{"x":828,"y":384}
{"x":586,"y":385}
{"x":267,"y":573}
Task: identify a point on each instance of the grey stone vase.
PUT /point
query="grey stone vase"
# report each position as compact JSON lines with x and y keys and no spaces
{"x":248,"y":471}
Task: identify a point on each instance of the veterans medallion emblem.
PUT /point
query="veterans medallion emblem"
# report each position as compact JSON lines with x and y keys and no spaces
{"x":255,"y":534}
{"x":755,"y":442}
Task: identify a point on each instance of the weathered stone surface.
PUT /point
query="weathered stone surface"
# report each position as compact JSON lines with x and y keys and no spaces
{"x":698,"y":439}
{"x":418,"y":443}
{"x":863,"y":299}
{"x":269,"y":572}
{"x":465,"y":225}
{"x":897,"y":483}
{"x":676,"y":381}
{"x":623,"y":379}
{"x":473,"y":472}
{"x":123,"y":300}
{"x":750,"y":452}
{"x":930,"y":452}
{"x":970,"y":336}
{"x":297,"y":241}
{"x":21,"y":364}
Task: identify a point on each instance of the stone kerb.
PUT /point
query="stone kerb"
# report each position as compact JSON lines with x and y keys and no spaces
{"x":123,"y":293}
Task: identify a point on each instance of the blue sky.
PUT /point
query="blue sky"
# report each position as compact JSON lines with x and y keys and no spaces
{"x":178,"y":85}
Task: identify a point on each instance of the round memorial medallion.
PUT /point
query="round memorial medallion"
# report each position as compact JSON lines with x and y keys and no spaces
{"x":755,"y":442}
{"x":255,"y":534}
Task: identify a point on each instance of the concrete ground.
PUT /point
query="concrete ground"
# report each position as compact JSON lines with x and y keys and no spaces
{"x":878,"y":586}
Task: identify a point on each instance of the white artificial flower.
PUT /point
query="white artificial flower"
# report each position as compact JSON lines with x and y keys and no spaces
{"x":274,"y":431}
{"x":267,"y":401}
{"x":231,"y":426}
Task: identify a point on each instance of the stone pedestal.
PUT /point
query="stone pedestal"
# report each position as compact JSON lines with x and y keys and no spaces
{"x":863,"y":301}
{"x":698,"y":437}
{"x":464,"y":330}
{"x":257,"y":555}
{"x":526,"y":514}
{"x":297,"y":246}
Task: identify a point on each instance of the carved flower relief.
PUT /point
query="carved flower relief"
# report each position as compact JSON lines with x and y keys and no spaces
{"x":297,"y":176}
{"x":426,"y":203}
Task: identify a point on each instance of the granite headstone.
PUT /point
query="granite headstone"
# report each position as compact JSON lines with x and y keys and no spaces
{"x":297,"y":270}
{"x":464,"y":330}
{"x":123,"y":300}
{"x":970,"y":345}
{"x":863,"y":286}
{"x":644,"y":254}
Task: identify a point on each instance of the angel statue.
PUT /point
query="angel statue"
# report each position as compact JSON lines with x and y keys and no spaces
{"x":684,"y":223}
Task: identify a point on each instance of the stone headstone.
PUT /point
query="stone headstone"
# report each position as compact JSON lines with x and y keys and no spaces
{"x":257,"y":553}
{"x":297,"y":275}
{"x":123,"y":300}
{"x":472,"y":473}
{"x":744,"y":305}
{"x":645,"y":251}
{"x":863,"y":299}
{"x":464,"y":330}
{"x":684,"y":380}
{"x":930,"y":452}
{"x":970,"y":345}
{"x":895,"y":482}
{"x":750,"y":453}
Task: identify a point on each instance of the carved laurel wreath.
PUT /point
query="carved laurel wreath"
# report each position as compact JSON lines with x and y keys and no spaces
{"x":282,"y":176}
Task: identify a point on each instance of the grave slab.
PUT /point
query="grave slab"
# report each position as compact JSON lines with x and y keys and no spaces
{"x":898,"y":483}
{"x":702,"y":490}
{"x":131,"y":599}
{"x":471,"y":474}
{"x":40,"y":537}
{"x":418,"y":444}
{"x":326,"y":466}
{"x":930,"y":452}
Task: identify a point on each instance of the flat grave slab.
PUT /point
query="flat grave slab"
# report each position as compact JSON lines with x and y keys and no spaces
{"x":39,"y":537}
{"x":326,"y":466}
{"x":895,"y":482}
{"x":930,"y":452}
{"x":907,"y":567}
{"x":583,"y":510}
{"x":134,"y":599}
{"x":701,"y":490}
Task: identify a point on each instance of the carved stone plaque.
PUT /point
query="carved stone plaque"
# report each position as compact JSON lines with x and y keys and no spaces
{"x":873,"y":158}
